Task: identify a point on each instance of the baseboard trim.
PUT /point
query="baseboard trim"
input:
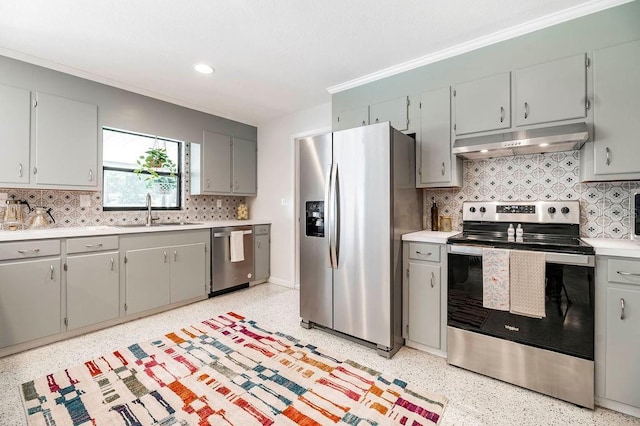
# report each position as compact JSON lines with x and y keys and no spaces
{"x":618,"y":406}
{"x":281,"y":282}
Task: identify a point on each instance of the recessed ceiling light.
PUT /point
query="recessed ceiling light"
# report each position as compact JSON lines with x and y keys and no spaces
{"x":484,"y":151}
{"x":544,"y":144}
{"x":203,"y":68}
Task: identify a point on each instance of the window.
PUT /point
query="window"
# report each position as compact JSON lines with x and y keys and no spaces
{"x":123,"y":188}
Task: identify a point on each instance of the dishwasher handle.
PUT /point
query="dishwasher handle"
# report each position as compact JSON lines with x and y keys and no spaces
{"x":228,"y":234}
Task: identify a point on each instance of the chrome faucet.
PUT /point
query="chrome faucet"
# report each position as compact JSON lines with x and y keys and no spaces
{"x":150,"y":218}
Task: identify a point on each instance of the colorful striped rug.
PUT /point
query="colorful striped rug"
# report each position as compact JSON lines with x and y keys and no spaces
{"x":225,"y":371}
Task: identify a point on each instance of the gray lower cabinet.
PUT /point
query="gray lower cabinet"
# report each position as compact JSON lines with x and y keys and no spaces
{"x":29,"y":299}
{"x":552,"y":91}
{"x":15,"y":116}
{"x":187,"y":271}
{"x":351,"y":118}
{"x":147,"y":278}
{"x":618,"y":331}
{"x":261,"y":253}
{"x":616,"y":103}
{"x":482,"y":105}
{"x":436,"y":166}
{"x":424,"y":296}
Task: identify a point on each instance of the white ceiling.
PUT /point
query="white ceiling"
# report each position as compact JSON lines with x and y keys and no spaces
{"x":272,"y":57}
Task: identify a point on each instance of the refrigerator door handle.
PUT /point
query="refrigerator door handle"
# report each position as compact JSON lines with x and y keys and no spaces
{"x":335,"y":227}
{"x":328,"y":216}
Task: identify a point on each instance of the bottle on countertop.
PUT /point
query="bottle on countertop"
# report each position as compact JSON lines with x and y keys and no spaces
{"x":510,"y":232}
{"x":434,"y":216}
{"x":519,"y":231}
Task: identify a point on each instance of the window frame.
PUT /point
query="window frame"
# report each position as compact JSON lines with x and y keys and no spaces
{"x":178,"y":173}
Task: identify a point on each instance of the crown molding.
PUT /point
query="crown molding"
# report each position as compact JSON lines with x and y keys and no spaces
{"x":506,"y":34}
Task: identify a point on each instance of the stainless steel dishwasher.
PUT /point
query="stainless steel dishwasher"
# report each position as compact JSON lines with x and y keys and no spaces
{"x":227,"y":275}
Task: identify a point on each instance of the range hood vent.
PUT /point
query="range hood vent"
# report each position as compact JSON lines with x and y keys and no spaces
{"x":567,"y":137}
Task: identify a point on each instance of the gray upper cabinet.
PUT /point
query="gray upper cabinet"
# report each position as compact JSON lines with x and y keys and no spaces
{"x":216,"y":167}
{"x":244,"y":167}
{"x":483,"y":105}
{"x":351,"y":118}
{"x":396,"y":111}
{"x":616,"y":88}
{"x":552,"y":91}
{"x":15,"y":115}
{"x":66,"y":142}
{"x":435,"y":163}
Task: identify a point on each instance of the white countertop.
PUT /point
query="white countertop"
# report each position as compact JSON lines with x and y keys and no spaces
{"x":429,"y":236}
{"x":610,"y":247}
{"x":86,"y":231}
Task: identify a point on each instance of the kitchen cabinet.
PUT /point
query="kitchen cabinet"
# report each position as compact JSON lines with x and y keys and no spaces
{"x":436,"y":166}
{"x":351,"y":118}
{"x":30,"y":288}
{"x":616,"y":89}
{"x":223,"y":165}
{"x":164,"y":268}
{"x":552,"y":91}
{"x":64,"y":126}
{"x":424,"y":296}
{"x":261,"y":253}
{"x":396,"y":111}
{"x":618,"y":333}
{"x":483,"y":105}
{"x":15,"y":117}
{"x":92,"y":281}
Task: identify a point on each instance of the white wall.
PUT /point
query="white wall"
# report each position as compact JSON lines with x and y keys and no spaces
{"x":276,"y":183}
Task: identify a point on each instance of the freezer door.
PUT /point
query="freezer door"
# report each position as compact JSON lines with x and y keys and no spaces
{"x":362,"y":289}
{"x":316,"y":277}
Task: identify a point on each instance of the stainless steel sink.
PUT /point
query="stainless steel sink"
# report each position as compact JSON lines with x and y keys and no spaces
{"x":142,"y":225}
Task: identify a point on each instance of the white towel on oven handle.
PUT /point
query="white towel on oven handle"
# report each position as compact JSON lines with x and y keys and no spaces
{"x":236,"y":242}
{"x":495,"y":279}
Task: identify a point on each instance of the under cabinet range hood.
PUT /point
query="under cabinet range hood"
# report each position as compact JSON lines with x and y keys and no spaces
{"x":567,"y":137}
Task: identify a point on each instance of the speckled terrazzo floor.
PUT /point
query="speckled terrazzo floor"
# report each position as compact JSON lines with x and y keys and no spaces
{"x":473,"y":399}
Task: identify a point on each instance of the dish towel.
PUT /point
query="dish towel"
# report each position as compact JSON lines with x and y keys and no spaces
{"x":527,"y":283}
{"x":495,"y":279}
{"x":237,"y":246}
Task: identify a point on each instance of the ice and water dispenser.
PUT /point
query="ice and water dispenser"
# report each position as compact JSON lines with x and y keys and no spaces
{"x":315,"y":218}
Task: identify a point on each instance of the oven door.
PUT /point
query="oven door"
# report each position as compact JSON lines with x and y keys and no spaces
{"x":569,"y":302}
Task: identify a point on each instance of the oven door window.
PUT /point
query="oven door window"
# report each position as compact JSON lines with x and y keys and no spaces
{"x":567,"y":327}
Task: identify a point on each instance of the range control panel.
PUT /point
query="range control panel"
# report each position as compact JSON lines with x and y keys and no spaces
{"x":522,"y":211}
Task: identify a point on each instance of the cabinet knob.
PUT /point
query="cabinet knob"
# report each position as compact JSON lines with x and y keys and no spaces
{"x":501,"y":114}
{"x":377,"y":120}
{"x":526,"y":110}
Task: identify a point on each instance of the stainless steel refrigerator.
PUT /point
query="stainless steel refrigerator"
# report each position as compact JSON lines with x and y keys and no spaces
{"x":357,"y":198}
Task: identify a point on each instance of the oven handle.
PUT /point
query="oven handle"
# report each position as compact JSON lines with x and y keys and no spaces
{"x":560,"y":258}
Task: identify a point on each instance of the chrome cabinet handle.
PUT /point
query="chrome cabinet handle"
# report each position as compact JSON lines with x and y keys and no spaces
{"x":433,"y":277}
{"x":35,"y":170}
{"x":90,"y":175}
{"x":424,"y":254}
{"x":608,"y":155}
{"x":526,"y":110}
{"x":175,"y":255}
{"x":208,"y":183}
{"x":363,"y":123}
{"x":377,"y":120}
{"x":51,"y":271}
{"x":258,"y":243}
{"x":36,"y":250}
{"x":112,"y":264}
{"x":237,"y":185}
{"x":501,"y":114}
{"x":443,"y":168}
{"x":94,"y":245}
{"x":165,"y":256}
{"x":621,"y":308}
{"x":628,"y":273}
{"x":20,"y":170}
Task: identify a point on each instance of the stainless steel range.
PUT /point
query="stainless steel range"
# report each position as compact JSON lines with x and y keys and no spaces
{"x":552,"y":352}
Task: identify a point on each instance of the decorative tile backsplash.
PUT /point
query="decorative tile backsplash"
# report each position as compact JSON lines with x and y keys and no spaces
{"x":67,"y":211}
{"x":605,"y":210}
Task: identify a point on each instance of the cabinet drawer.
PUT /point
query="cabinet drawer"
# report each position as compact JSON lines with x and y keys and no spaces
{"x":91,"y":244}
{"x":261,"y":229}
{"x":624,"y":271}
{"x":29,"y":249}
{"x":422,"y":251}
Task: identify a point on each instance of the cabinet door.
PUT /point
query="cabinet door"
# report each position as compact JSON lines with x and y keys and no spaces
{"x":66,"y":142}
{"x":395,"y":111}
{"x":244,"y":166}
{"x":623,"y":346}
{"x":435,"y":137}
{"x":15,"y":111}
{"x":29,"y":300}
{"x":148,"y":277}
{"x":616,"y":89}
{"x":216,"y":163}
{"x":483,"y":105}
{"x":424,"y":304}
{"x":188,"y":265}
{"x":351,"y":118}
{"x":261,"y":257}
{"x":93,"y":289}
{"x":551,"y":91}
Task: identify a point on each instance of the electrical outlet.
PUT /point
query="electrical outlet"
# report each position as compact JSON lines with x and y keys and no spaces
{"x":284,"y":202}
{"x":85,"y":200}
{"x":218,"y":203}
{"x":3,"y":197}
